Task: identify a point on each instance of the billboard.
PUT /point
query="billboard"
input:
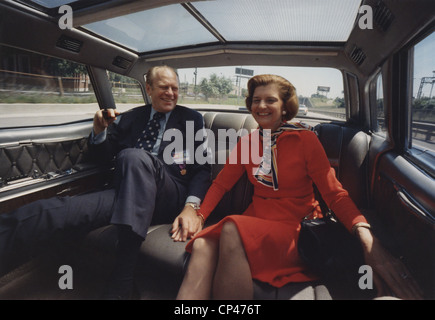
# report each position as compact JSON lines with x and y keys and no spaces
{"x":245,"y":72}
{"x":323,"y":89}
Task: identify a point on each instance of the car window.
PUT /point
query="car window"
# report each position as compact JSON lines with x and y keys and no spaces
{"x":422,"y":125}
{"x":320,"y":90}
{"x":127,"y":92}
{"x":42,"y":90}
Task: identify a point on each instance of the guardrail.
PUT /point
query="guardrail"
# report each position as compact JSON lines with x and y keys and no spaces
{"x":340,"y":115}
{"x":426,"y":129}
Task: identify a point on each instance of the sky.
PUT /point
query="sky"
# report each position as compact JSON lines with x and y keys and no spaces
{"x":424,"y":66}
{"x":305,"y":80}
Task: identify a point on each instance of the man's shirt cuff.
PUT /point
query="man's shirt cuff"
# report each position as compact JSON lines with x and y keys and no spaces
{"x":194,"y":200}
{"x":99,"y":138}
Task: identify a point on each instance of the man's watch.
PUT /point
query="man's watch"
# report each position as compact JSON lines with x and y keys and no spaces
{"x":194,"y":205}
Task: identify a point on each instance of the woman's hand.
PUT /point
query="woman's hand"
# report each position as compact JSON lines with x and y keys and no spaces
{"x":186,"y":225}
{"x":390,"y":275}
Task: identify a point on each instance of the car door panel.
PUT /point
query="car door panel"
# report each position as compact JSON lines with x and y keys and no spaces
{"x":405,"y":206}
{"x":46,"y":161}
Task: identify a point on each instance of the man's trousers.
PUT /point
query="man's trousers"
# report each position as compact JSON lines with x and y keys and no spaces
{"x":143,"y":194}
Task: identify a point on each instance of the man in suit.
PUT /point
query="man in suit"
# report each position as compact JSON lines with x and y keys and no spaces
{"x":148,"y":188}
{"x":145,"y":182}
{"x":183,"y":177}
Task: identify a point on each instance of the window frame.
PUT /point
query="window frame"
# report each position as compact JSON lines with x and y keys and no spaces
{"x":373,"y":100}
{"x":405,"y":61}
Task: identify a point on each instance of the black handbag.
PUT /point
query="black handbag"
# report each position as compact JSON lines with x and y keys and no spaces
{"x":330,"y":250}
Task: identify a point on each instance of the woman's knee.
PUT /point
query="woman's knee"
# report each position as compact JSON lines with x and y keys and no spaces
{"x":204,"y":246}
{"x":230,"y":237}
{"x":229,"y":229}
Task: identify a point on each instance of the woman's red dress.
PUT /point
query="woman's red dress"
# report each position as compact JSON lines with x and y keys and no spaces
{"x":269,"y":227}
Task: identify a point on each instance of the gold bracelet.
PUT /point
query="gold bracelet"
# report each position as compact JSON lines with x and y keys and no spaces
{"x":360,"y":224}
{"x":199,"y":214}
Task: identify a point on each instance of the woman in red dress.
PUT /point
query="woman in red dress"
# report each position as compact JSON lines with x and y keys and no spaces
{"x":262,"y":242}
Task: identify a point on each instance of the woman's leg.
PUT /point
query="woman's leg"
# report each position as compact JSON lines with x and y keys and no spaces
{"x":197,"y":282}
{"x":233,"y":278}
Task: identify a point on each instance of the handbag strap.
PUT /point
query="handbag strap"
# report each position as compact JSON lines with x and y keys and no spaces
{"x":326,"y":211}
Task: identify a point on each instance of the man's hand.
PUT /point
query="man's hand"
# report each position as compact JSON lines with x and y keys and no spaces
{"x":186,"y":225}
{"x":103,"y":118}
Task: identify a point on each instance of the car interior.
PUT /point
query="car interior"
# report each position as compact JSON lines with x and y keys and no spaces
{"x":382,"y":145}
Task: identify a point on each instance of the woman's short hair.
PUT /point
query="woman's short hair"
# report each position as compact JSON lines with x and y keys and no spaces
{"x":287,"y":93}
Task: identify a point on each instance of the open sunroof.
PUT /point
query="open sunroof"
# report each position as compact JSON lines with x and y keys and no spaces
{"x":220,"y":21}
{"x":238,"y":21}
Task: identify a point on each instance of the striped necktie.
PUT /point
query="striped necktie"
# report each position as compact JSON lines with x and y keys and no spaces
{"x":149,"y":135}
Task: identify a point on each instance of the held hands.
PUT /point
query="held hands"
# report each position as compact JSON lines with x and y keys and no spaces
{"x":186,"y":225}
{"x":103,"y":118}
{"x":390,"y":275}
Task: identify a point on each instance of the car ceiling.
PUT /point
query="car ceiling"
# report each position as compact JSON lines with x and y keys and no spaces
{"x":219,"y":32}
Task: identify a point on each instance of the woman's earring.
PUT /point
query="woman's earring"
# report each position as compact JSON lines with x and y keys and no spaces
{"x":284,"y":112}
